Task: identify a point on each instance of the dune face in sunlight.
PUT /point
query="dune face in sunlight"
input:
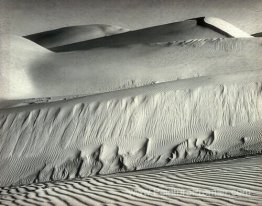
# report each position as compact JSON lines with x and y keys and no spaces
{"x":170,"y":123}
{"x":92,"y":100}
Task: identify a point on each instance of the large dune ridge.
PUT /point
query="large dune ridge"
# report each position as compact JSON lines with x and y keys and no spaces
{"x":184,"y":121}
{"x":230,"y":182}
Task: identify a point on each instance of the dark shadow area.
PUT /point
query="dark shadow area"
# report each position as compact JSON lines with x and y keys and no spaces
{"x":257,"y":34}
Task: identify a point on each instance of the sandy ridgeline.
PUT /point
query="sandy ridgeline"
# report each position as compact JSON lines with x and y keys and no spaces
{"x":90,"y":100}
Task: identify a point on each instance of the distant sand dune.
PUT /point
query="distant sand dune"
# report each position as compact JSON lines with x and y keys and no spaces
{"x":198,"y":28}
{"x":70,"y":35}
{"x":232,"y":182}
{"x":177,"y":31}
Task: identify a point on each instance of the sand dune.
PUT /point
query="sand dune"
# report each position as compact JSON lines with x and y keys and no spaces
{"x":198,"y":28}
{"x":70,"y":35}
{"x":95,"y":114}
{"x":231,"y":182}
{"x":184,"y":121}
{"x":35,"y":74}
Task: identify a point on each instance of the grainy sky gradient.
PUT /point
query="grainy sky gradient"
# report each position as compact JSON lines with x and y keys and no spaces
{"x":24,"y":17}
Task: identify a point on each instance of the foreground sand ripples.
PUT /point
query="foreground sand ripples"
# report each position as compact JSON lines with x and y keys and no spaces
{"x":231,"y":182}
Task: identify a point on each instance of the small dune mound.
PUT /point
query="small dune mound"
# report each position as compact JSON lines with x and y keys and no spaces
{"x":73,"y":34}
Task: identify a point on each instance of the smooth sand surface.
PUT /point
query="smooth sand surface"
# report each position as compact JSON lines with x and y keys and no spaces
{"x":232,"y":182}
{"x":35,"y":72}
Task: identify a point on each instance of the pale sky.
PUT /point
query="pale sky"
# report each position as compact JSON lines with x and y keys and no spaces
{"x":23,"y":17}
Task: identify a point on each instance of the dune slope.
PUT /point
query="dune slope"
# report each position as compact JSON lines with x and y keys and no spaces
{"x":36,"y":74}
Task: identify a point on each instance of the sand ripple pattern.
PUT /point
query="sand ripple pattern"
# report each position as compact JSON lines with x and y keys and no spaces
{"x":231,"y":182}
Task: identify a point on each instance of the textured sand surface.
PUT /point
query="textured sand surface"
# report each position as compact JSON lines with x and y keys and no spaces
{"x":164,"y":124}
{"x":231,"y":182}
